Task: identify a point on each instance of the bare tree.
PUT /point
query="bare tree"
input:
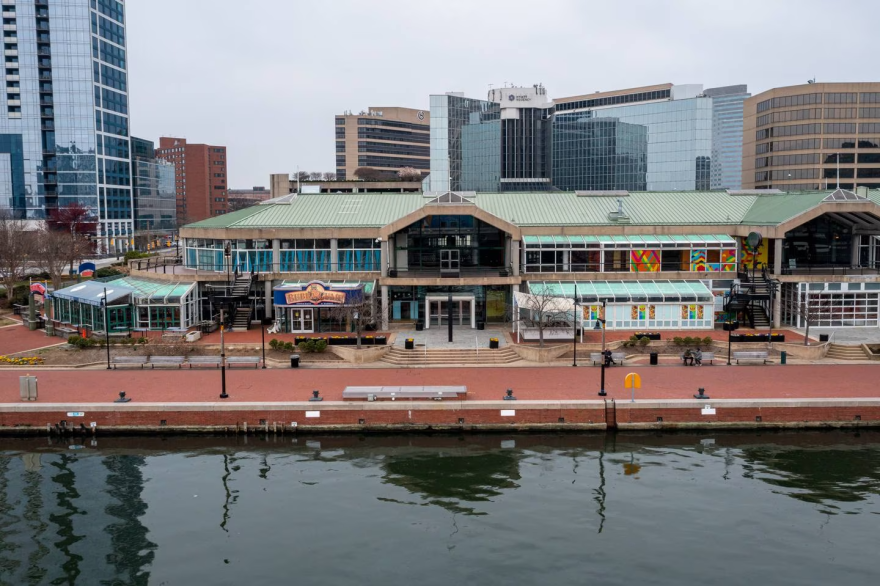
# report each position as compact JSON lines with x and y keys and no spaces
{"x":52,"y":252}
{"x":16,"y":251}
{"x":810,"y":309}
{"x":315,"y":175}
{"x":362,"y":313}
{"x":542,"y":312}
{"x":329,"y":176}
{"x":301,"y":175}
{"x":369,"y":174}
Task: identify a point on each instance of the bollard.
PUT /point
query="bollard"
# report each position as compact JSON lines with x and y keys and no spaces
{"x":509,"y":396}
{"x":783,"y":357}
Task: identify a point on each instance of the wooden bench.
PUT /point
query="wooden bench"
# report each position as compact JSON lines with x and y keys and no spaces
{"x":232,"y":360}
{"x":752,"y":355}
{"x":707,"y":357}
{"x":426,"y":393}
{"x":166,"y":361}
{"x":617,"y":357}
{"x":204,"y":361}
{"x":129,"y":361}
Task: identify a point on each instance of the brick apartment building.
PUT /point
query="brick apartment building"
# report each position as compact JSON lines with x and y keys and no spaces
{"x":200,"y":178}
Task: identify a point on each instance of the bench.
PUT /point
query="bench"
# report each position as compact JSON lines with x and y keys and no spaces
{"x":166,"y":361}
{"x":232,"y":360}
{"x":373,"y":393}
{"x":204,"y":360}
{"x":707,"y":357}
{"x":129,"y":361}
{"x":617,"y":357}
{"x":754,"y":355}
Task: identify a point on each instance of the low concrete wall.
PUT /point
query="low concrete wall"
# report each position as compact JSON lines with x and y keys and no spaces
{"x":536,"y":354}
{"x":364,"y":355}
{"x":795,"y":350}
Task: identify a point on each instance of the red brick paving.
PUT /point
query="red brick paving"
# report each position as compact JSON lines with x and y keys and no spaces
{"x":15,"y":339}
{"x":564,"y":382}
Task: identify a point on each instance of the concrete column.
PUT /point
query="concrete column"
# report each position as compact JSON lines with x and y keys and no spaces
{"x":270,"y":310}
{"x":384,"y":320}
{"x":515,"y":256}
{"x":334,"y":256}
{"x":383,"y":257}
{"x":856,"y":242}
{"x":777,"y":252}
{"x":427,"y":313}
{"x":473,"y":313}
{"x":276,"y":255}
{"x":777,"y":310}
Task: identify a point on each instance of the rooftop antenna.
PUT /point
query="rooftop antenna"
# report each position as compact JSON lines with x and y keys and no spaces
{"x":838,"y":170}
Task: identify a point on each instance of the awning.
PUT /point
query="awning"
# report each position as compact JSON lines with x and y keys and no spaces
{"x":92,"y":292}
{"x":368,"y":285}
{"x":626,"y":291}
{"x":637,"y":241}
{"x":321,"y":293}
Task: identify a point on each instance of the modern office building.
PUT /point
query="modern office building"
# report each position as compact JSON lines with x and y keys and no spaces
{"x":200,"y":178}
{"x":282,"y":184}
{"x":155,"y":199}
{"x":64,"y":128}
{"x":384,"y":139}
{"x":812,"y":136}
{"x":660,"y":138}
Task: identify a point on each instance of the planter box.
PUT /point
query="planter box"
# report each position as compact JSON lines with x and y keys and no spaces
{"x":730,"y":326}
{"x":299,"y":339}
{"x":365,"y":341}
{"x":409,"y":344}
{"x":758,"y":338}
{"x":381,"y":340}
{"x":493,"y":344}
{"x":649,"y":335}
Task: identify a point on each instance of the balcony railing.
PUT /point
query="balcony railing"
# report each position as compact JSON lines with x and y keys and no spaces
{"x":832,"y":269}
{"x":460,"y":273}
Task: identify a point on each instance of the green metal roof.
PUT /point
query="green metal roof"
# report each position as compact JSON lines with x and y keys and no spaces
{"x":625,"y":291}
{"x":156,"y":291}
{"x":554,"y":208}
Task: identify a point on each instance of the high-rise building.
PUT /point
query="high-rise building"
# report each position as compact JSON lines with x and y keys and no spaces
{"x":383,"y":139}
{"x":64,"y":128}
{"x":659,"y":138}
{"x":200,"y":178}
{"x":812,"y":136}
{"x":465,"y":144}
{"x":155,"y":199}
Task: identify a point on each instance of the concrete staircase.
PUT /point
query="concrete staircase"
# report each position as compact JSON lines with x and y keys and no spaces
{"x":242,"y":319}
{"x":450,"y":357}
{"x":841,"y":352}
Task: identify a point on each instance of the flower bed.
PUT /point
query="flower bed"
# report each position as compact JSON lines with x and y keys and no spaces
{"x":21,"y":361}
{"x":757,"y":338}
{"x":649,"y":335}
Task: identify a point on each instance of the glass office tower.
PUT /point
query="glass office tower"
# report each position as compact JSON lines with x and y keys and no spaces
{"x":465,"y":144}
{"x":64,"y":132}
{"x":671,"y":150}
{"x":155,"y":194}
{"x":727,"y":135}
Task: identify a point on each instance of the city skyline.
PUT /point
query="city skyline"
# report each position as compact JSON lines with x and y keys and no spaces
{"x":289,"y":95}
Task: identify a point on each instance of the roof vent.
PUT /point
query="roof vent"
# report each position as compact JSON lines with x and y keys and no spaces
{"x":603,"y":193}
{"x":619,"y":216}
{"x":844,"y":195}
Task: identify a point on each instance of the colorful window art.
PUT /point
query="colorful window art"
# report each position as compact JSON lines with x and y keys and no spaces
{"x":642,"y":261}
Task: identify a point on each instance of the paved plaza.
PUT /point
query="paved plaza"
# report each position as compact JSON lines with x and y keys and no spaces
{"x":463,"y":338}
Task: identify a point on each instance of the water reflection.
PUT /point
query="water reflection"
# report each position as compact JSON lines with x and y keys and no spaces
{"x":115,"y":514}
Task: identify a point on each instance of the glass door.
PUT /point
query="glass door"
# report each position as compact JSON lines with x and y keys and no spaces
{"x":302,"y":321}
{"x":450,"y":261}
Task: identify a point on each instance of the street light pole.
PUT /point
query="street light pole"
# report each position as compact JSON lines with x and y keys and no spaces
{"x":263,"y":340}
{"x":601,"y":322}
{"x":574,"y":321}
{"x":223,"y":394}
{"x":106,"y":327}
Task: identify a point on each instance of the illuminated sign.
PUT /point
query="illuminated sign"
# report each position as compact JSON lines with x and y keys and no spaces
{"x":317,"y":293}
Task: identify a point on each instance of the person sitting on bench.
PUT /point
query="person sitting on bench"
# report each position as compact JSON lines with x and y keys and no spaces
{"x":608,"y":359}
{"x":698,"y":357}
{"x":688,"y":357}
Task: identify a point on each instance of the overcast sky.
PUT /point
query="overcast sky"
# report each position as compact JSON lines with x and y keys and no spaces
{"x":266,"y":77}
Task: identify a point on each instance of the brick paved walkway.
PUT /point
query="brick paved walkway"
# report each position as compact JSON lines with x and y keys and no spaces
{"x":18,"y":338}
{"x":722,"y":382}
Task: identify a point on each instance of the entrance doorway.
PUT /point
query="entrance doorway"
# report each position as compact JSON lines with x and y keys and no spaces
{"x":450,"y":262}
{"x":302,"y":321}
{"x":464,"y":310}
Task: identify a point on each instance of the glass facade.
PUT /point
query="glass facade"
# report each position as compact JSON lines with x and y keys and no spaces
{"x":155,"y":199}
{"x":603,"y":148}
{"x":465,"y":144}
{"x":66,"y":100}
{"x":727,"y":136}
{"x":831,"y":304}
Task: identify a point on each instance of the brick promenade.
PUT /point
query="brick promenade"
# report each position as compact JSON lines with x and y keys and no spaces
{"x":559,"y":383}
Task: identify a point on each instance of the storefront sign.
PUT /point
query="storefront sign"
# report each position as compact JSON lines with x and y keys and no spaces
{"x":317,"y":293}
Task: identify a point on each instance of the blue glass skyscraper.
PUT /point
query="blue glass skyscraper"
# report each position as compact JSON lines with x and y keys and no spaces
{"x":64,"y":130}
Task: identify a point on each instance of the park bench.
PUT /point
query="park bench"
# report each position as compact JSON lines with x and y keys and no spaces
{"x":753,"y":355}
{"x":166,"y":361}
{"x":204,"y":361}
{"x":707,"y":357}
{"x":426,"y":393}
{"x":128,"y":361}
{"x":232,"y":360}
{"x":617,"y":357}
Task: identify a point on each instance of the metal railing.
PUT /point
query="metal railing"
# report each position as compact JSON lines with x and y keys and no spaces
{"x":832,"y":269}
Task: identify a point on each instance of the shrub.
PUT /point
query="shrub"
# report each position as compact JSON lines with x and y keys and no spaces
{"x":104,"y":272}
{"x":644,"y":341}
{"x":134,"y":254}
{"x":688,"y":341}
{"x":707,"y":341}
{"x":677,"y":340}
{"x":305,"y":347}
{"x":273,"y":343}
{"x":288,"y":346}
{"x":320,"y":345}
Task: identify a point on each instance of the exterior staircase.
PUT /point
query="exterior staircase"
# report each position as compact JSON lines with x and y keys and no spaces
{"x":450,"y":357}
{"x":241,"y":286}
{"x":841,"y":352}
{"x":242,"y":319}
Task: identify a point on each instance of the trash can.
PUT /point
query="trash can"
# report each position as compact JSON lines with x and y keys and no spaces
{"x":294,"y":361}
{"x":653,"y":356}
{"x":481,"y":325}
{"x":783,"y":356}
{"x":823,"y":337}
{"x":409,"y":344}
{"x":419,"y":326}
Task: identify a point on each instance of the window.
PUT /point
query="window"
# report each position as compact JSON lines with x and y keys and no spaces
{"x":840,"y":128}
{"x":840,"y":143}
{"x":840,"y":98}
{"x":870,"y":98}
{"x":869,"y":158}
{"x":869,"y":112}
{"x":871,"y":173}
{"x":840,"y":112}
{"x":844,"y":158}
{"x":869,"y":128}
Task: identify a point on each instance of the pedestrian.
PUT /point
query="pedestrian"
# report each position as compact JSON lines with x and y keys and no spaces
{"x":688,"y":357}
{"x":698,"y":357}
{"x":608,"y":358}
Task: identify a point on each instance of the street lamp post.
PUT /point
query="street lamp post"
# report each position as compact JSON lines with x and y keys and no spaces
{"x":263,"y":340}
{"x":574,"y":361}
{"x":600,"y":324}
{"x":106,"y":327}
{"x":223,"y":394}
